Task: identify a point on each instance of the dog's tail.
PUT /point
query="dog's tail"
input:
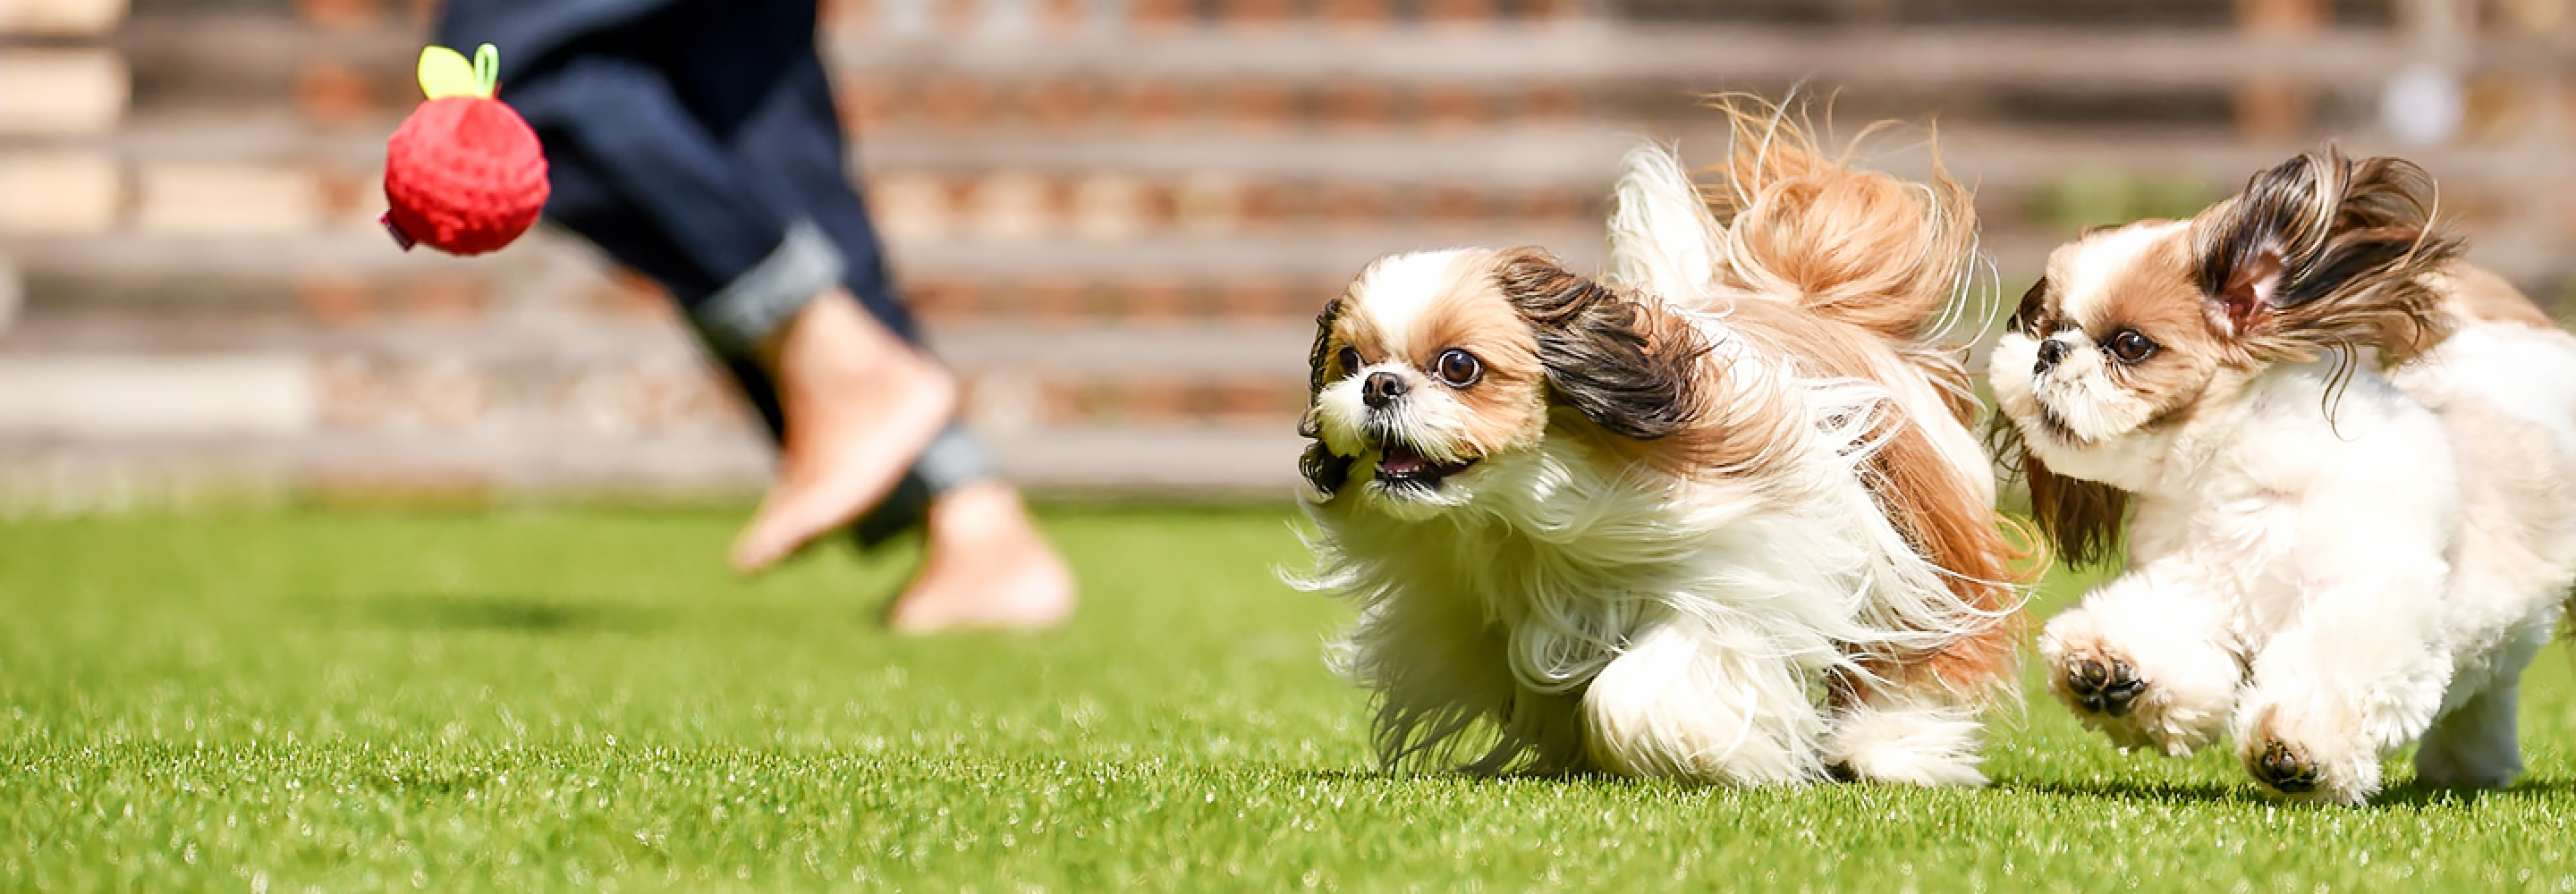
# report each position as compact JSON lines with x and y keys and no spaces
{"x":1862,"y":247}
{"x":1784,"y":220}
{"x":1780,"y":220}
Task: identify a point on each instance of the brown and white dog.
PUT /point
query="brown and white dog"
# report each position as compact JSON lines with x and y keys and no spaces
{"x":1720,"y":518}
{"x":2341,"y":462}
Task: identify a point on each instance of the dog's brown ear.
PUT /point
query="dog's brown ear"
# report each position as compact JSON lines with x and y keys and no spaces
{"x":2325,"y":252}
{"x":2083,"y":519}
{"x":1629,"y":369}
{"x":1320,"y":356}
{"x":1321,"y":467}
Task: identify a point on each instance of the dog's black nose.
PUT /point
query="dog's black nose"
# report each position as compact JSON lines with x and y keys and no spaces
{"x":2050,"y":351}
{"x":1382,"y":388}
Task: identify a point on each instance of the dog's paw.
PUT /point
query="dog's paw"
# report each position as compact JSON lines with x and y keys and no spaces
{"x":2172,"y":695}
{"x":2105,"y":690}
{"x":2308,"y":756}
{"x":2285,"y":768}
{"x":2102,"y":683}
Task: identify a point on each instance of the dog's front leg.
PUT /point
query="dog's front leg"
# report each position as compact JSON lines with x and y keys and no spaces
{"x":2357,"y":674}
{"x":1706,"y":702}
{"x":2147,"y":660}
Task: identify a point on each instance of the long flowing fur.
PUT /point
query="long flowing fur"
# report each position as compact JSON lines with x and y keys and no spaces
{"x":1878,"y":265}
{"x":1669,"y":600}
{"x":2326,"y":559}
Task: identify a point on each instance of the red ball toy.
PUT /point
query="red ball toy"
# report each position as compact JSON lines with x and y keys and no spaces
{"x":464,"y":174}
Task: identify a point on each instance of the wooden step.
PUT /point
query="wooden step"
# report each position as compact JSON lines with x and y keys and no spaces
{"x":142,"y":396}
{"x":1179,"y":279}
{"x":1683,"y":55}
{"x":60,"y":18}
{"x":13,"y":292}
{"x":59,"y":192}
{"x":1333,"y":255}
{"x":208,"y":53}
{"x":227,"y":199}
{"x":60,"y":91}
{"x":1274,"y":350}
{"x":82,"y":474}
{"x":538,"y":381}
{"x":1100,"y":187}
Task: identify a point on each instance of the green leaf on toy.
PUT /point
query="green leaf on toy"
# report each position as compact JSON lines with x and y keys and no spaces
{"x":445,"y":73}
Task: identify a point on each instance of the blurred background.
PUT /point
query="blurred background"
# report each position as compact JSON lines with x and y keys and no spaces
{"x":1119,"y":216}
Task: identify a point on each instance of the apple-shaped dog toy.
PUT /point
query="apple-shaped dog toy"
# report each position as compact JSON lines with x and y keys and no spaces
{"x":464,"y":174}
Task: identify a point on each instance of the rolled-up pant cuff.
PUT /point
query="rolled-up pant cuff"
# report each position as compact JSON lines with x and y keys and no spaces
{"x":953,"y":460}
{"x":760,"y":302}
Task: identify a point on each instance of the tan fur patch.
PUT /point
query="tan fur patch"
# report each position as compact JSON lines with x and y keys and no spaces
{"x":2157,"y":295}
{"x":2472,"y":293}
{"x":1356,"y":330}
{"x":1860,"y":247}
{"x":1505,"y":403}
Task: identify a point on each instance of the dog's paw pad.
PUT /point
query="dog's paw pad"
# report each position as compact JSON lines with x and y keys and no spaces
{"x":2285,"y":768}
{"x":2104,"y":685}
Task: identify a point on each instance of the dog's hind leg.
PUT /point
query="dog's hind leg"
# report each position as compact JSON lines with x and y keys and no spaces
{"x":1705,"y":702}
{"x":1907,"y":737}
{"x":2474,"y":745}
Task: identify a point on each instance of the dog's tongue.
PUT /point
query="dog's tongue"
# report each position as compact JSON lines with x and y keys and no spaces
{"x":1402,"y":459}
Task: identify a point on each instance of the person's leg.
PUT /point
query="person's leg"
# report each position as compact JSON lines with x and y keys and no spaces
{"x":987,"y":565}
{"x":854,"y":404}
{"x":586,"y":204}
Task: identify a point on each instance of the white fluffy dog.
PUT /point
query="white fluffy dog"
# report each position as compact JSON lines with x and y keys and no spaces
{"x":1721,"y":519}
{"x":2328,"y":559}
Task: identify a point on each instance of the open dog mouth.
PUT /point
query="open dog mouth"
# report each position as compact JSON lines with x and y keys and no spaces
{"x":1400,"y":463}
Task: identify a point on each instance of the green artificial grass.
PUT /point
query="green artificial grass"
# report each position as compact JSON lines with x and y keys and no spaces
{"x":339,"y":701}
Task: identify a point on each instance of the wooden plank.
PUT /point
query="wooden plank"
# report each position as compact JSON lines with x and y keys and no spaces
{"x":1602,"y":53}
{"x":143,"y":396}
{"x":60,"y":18}
{"x":59,"y":192}
{"x":12,"y":293}
{"x":1514,"y":156}
{"x":1573,"y":52}
{"x":1331,"y":255}
{"x":1299,"y":255}
{"x":1235,"y":350}
{"x":1241,"y":350}
{"x":60,"y":91}
{"x":1082,"y":459}
{"x":1246,"y":460}
{"x":227,"y":199}
{"x":1581,"y":155}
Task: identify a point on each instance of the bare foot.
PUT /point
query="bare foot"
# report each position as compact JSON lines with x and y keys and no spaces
{"x":988,"y":568}
{"x":860,"y":406}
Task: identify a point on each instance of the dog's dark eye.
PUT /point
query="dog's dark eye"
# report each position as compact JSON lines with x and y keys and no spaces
{"x":2129,"y":346}
{"x":1349,"y":358}
{"x":1458,"y":368}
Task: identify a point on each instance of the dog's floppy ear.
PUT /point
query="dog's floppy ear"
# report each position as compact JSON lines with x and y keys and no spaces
{"x":2325,"y":252}
{"x":2083,"y":519}
{"x":1322,"y":468}
{"x":1628,"y":368}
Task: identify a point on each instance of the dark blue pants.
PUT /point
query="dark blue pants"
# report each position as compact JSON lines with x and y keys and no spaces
{"x":697,"y":142}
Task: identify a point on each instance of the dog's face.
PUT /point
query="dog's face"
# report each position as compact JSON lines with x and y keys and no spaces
{"x":1432,"y":365}
{"x":2116,"y":344}
{"x":2138,"y":329}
